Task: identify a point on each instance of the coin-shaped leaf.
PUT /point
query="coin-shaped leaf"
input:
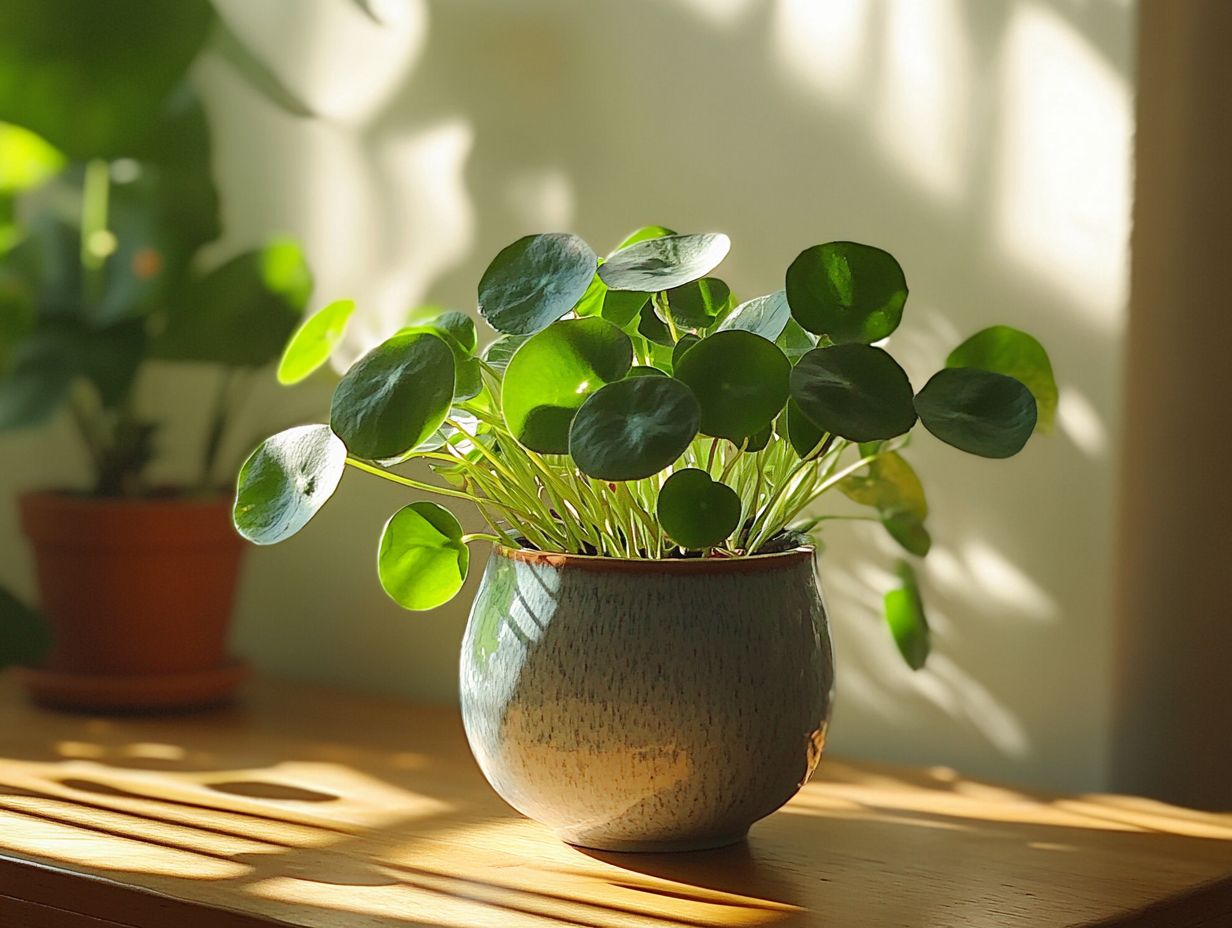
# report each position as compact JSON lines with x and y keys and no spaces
{"x":285,"y":481}
{"x":663,"y":263}
{"x":978,"y":411}
{"x":535,"y":281}
{"x":696,"y":511}
{"x":766,"y":316}
{"x":847,"y":292}
{"x":634,"y":428}
{"x":553,"y":374}
{"x":740,"y":380}
{"x":802,"y":434}
{"x":314,"y":341}
{"x":395,"y":396}
{"x":857,"y":392}
{"x":422,"y":560}
{"x":1006,"y":350}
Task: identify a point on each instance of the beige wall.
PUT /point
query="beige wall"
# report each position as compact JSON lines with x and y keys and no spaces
{"x":987,"y":144}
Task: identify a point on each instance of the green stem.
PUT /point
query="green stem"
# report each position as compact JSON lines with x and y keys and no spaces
{"x":95,"y":193}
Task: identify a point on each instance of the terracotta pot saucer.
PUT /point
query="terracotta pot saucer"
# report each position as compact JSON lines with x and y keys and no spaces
{"x":91,"y":692}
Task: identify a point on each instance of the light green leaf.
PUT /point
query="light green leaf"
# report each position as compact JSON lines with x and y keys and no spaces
{"x":553,"y":374}
{"x":26,"y":160}
{"x":892,"y":487}
{"x":698,"y":304}
{"x":904,"y":614}
{"x":314,"y":341}
{"x":422,"y":561}
{"x":285,"y":481}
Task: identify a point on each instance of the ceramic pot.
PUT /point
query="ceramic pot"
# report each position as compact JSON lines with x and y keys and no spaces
{"x":647,"y":705}
{"x":139,"y":594}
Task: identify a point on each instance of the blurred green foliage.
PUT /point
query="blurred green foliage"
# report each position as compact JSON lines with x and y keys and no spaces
{"x":106,"y":198}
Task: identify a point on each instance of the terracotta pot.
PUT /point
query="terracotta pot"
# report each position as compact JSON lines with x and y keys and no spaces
{"x":139,"y":594}
{"x":647,"y":705}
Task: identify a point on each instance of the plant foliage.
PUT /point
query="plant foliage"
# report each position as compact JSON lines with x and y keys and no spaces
{"x":680,"y":423}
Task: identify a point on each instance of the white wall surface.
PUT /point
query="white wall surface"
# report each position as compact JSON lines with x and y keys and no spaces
{"x":986,"y":144}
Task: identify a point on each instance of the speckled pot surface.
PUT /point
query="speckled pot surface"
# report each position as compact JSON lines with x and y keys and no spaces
{"x":647,"y":705}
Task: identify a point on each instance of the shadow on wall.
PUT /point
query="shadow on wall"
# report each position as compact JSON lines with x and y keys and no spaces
{"x":985,"y":145}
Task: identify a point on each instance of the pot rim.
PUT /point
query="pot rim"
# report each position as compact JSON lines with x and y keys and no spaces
{"x":692,"y":565}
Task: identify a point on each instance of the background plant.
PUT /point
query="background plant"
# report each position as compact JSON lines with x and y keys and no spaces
{"x":632,"y":408}
{"x":106,"y":200}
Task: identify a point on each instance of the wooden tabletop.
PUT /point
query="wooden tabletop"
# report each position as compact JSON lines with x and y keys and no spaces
{"x":308,"y":807}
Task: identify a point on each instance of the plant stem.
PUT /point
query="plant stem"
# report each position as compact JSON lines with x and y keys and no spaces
{"x":94,"y":251}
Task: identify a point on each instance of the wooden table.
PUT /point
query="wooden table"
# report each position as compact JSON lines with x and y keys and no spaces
{"x":313,"y":808}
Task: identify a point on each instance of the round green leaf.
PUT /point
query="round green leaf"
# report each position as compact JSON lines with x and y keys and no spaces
{"x":554,"y":373}
{"x":634,"y":428}
{"x":766,"y":316}
{"x":422,"y":560}
{"x":904,"y":613}
{"x":535,"y":281}
{"x":663,"y":263}
{"x":1006,"y":350}
{"x":857,"y":392}
{"x":285,"y":481}
{"x":687,"y":341}
{"x":314,"y":341}
{"x":847,"y":292}
{"x":740,"y":380}
{"x":695,"y":511}
{"x":977,"y":411}
{"x":802,"y":434}
{"x":395,"y":396}
{"x":696,"y":305}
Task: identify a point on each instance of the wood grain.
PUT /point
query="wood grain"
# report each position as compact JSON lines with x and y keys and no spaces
{"x":306,"y":807}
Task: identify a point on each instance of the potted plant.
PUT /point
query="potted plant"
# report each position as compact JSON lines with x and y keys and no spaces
{"x":647,"y":664}
{"x":106,"y":200}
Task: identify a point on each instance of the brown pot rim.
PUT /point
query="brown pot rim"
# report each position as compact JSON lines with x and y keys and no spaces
{"x":692,"y":565}
{"x":66,"y":519}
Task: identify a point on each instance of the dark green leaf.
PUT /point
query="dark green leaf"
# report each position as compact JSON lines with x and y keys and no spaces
{"x":314,"y":341}
{"x":904,"y":613}
{"x":803,"y":435}
{"x":1005,"y":350}
{"x":395,"y":396}
{"x":766,"y":316}
{"x":634,"y":428}
{"x":285,"y":481}
{"x":555,"y":372}
{"x":654,"y":329}
{"x":977,"y":411}
{"x":687,"y":341}
{"x":857,"y":392}
{"x":740,"y":380}
{"x":663,"y":263}
{"x":242,"y":313}
{"x":91,"y":77}
{"x":25,"y":635}
{"x":847,"y":292}
{"x":695,"y":511}
{"x":422,"y":561}
{"x":643,"y":371}
{"x":535,"y":281}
